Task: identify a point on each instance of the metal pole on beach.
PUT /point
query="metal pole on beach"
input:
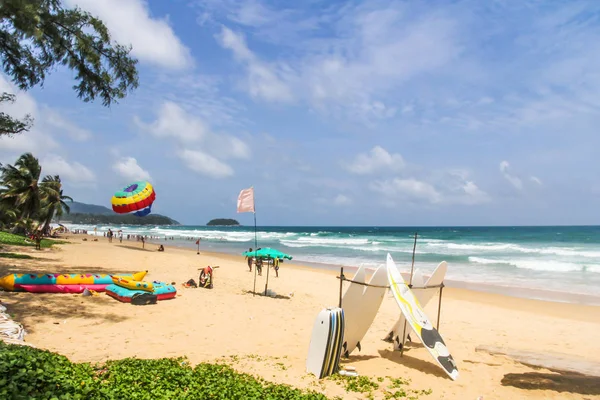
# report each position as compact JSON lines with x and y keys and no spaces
{"x":255,"y":246}
{"x":413,"y":261}
{"x":341,"y":283}
{"x":267,"y":281}
{"x":410,"y":286}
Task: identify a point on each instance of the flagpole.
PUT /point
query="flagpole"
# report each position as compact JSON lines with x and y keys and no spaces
{"x":255,"y":245}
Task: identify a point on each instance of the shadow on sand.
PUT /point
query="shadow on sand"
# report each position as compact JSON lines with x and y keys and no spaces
{"x":55,"y":268}
{"x":424,"y":366}
{"x":34,"y":308}
{"x":262,"y":294}
{"x":560,"y":381}
{"x":357,"y":358}
{"x":135,"y":248}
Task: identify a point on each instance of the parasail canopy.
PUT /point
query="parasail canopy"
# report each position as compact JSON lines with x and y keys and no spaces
{"x":136,"y":199}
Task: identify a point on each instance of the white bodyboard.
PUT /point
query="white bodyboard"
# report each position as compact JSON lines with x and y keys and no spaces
{"x":325,"y":346}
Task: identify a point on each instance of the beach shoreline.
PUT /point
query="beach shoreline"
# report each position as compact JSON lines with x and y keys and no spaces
{"x":269,"y":337}
{"x":509,"y":291}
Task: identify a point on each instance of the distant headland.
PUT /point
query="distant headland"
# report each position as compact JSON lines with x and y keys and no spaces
{"x":223,"y":222}
{"x":90,"y":214}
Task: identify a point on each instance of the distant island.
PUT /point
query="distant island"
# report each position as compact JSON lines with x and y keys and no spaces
{"x":223,"y":222}
{"x":91,"y":214}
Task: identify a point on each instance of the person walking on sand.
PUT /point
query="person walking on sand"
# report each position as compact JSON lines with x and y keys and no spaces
{"x":249,"y":260}
{"x":276,"y":266}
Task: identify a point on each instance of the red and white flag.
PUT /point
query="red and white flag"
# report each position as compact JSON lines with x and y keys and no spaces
{"x":245,"y":202}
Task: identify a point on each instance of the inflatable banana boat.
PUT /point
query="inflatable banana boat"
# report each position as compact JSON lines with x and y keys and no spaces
{"x":160,"y":290}
{"x":132,"y":284}
{"x":61,"y":283}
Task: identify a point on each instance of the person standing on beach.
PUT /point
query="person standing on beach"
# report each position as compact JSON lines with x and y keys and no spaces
{"x":276,"y":266}
{"x":110,"y":235}
{"x":249,"y":259}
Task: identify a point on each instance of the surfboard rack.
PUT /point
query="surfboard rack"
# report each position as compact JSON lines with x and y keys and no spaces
{"x":343,"y":278}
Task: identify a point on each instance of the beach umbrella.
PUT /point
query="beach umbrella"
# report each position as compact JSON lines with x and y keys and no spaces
{"x":267,"y":252}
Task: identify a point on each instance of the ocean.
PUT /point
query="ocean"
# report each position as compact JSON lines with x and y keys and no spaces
{"x":547,"y":262}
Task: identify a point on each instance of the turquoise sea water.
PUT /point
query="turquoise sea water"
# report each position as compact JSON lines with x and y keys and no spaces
{"x":562,"y":259}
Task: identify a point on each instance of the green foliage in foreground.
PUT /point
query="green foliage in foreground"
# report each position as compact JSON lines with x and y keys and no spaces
{"x":15,"y":255}
{"x":395,"y":389}
{"x":27,"y":373}
{"x":18,"y":240}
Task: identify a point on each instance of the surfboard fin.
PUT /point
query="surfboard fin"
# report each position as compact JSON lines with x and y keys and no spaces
{"x":389,"y":337}
{"x":346,"y":355}
{"x":358,"y":346}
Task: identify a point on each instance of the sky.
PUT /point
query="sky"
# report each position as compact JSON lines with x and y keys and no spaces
{"x":399,"y":113}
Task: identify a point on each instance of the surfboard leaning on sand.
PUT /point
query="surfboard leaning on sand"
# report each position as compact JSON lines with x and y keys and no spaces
{"x":418,"y":321}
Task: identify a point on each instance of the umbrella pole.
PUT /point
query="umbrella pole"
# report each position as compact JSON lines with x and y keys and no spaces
{"x":267,"y":281}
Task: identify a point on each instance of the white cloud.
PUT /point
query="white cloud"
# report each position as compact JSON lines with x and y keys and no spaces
{"x":55,"y":120}
{"x":129,"y":169}
{"x":342,"y":200}
{"x":71,"y":173}
{"x":472,"y":194}
{"x":449,"y":187}
{"x":513,"y":180}
{"x":35,"y":140}
{"x":375,"y":160}
{"x":536,"y":180}
{"x":130,"y":22}
{"x":263,"y":80}
{"x":205,"y":164}
{"x":174,"y":121}
{"x":355,"y":66}
{"x":407,"y":188}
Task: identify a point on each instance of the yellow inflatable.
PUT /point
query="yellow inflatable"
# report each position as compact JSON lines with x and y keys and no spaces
{"x":128,"y":283}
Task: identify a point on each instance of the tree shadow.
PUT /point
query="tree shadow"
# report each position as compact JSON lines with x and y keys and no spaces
{"x":33,"y":308}
{"x":52,"y":267}
{"x":560,"y":381}
{"x":133,"y":248}
{"x":415,"y":363}
{"x":262,"y":294}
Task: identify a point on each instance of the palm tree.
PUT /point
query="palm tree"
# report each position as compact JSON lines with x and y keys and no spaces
{"x":21,"y":191}
{"x":52,"y":200}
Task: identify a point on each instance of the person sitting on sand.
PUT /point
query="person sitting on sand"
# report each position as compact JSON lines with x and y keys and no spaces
{"x":161,"y":248}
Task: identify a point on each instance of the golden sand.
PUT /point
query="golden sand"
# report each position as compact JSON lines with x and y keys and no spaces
{"x":269,"y":337}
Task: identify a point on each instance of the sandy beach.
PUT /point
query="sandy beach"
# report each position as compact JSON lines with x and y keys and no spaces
{"x":269,"y":337}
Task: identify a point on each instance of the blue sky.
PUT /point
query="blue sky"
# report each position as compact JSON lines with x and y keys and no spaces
{"x":339,"y":113}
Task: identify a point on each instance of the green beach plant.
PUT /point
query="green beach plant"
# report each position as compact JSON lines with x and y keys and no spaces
{"x":27,"y":373}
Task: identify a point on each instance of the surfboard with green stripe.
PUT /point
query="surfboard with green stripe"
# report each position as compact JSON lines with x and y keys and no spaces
{"x":419,"y":322}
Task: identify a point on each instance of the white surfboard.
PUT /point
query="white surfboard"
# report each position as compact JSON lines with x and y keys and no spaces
{"x":325,"y":346}
{"x":423,"y":296}
{"x":420,"y":324}
{"x":351,"y":303}
{"x":360,"y":304}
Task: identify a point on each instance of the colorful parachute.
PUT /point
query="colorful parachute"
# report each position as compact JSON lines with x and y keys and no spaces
{"x":135,"y":199}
